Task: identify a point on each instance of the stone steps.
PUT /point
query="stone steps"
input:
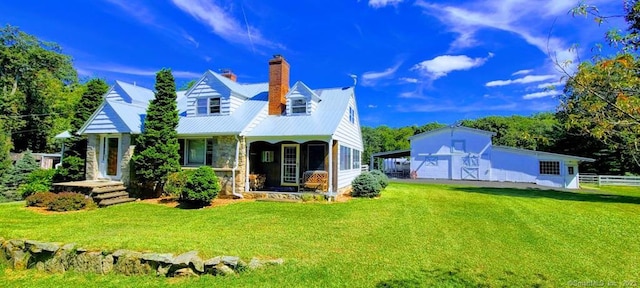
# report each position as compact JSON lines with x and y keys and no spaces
{"x":108,"y":189}
{"x":110,"y":195}
{"x":114,"y":201}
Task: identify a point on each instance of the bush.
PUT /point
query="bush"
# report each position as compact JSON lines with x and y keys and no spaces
{"x":72,"y":169}
{"x":201,"y":187}
{"x":365,"y":185}
{"x":38,"y":180}
{"x":177,"y":181}
{"x":382,"y":178}
{"x":69,"y":201}
{"x":41,"y":199}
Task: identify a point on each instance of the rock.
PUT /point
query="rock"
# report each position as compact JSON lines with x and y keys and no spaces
{"x":107,"y":264}
{"x":163,"y":270}
{"x":131,"y":264}
{"x":121,"y":252}
{"x":184,"y":272}
{"x":38,"y":247}
{"x":189,"y":258}
{"x":255,"y":263}
{"x":212,"y":261}
{"x":19,"y":259}
{"x":278,"y":261}
{"x":17,"y":243}
{"x":157,"y":257}
{"x":87,"y":262}
{"x":40,"y":266}
{"x":223,"y":270}
{"x":61,"y":260}
{"x":230,"y":260}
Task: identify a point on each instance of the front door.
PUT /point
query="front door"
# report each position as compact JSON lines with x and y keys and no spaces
{"x":110,"y":156}
{"x":290,"y":164}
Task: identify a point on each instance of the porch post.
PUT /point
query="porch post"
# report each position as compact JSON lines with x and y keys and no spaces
{"x":330,"y":146}
{"x":246,"y":174}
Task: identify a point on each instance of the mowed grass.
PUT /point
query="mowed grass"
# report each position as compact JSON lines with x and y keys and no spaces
{"x":414,"y":235}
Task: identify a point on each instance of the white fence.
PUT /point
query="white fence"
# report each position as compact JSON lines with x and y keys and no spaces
{"x":602,"y":180}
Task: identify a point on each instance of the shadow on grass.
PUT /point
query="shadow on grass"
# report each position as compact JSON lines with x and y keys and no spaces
{"x":552,"y":194}
{"x":466,"y":277}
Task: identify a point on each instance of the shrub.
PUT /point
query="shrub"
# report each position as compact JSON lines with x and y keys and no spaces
{"x":41,"y":199}
{"x":382,"y":178}
{"x":201,"y":187}
{"x":72,"y":169}
{"x":69,"y":201}
{"x":177,"y":181}
{"x":38,"y":180}
{"x":365,"y":185}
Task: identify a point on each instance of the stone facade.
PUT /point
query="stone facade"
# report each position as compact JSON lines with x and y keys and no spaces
{"x":93,"y":144}
{"x":126,"y":148}
{"x":224,"y":152}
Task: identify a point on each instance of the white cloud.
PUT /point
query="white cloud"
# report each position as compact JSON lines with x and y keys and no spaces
{"x":223,"y":24}
{"x":523,"y":80}
{"x":370,"y":78}
{"x":522,"y":72}
{"x":520,"y":17}
{"x":120,"y":69}
{"x":383,"y":3}
{"x":542,"y":94}
{"x":372,"y":106}
{"x":442,"y":65}
{"x":550,"y":84}
{"x":409,"y":80}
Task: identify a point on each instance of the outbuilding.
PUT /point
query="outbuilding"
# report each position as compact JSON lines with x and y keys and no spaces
{"x":462,"y":153}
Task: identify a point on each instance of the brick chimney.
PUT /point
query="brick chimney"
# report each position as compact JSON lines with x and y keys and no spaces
{"x":229,"y":74}
{"x":278,"y":84}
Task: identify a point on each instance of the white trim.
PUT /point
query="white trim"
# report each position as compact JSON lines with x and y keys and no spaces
{"x":102,"y":163}
{"x":282,"y":182}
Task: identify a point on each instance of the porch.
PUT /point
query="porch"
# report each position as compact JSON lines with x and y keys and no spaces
{"x":291,"y":168}
{"x":103,"y":192}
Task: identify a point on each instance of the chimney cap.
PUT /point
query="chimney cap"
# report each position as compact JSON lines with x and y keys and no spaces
{"x":277,"y":56}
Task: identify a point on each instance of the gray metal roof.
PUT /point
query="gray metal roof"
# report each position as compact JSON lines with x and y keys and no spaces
{"x":556,"y":155}
{"x":137,"y":93}
{"x":131,"y":114}
{"x":453,"y":127}
{"x":322,"y":122}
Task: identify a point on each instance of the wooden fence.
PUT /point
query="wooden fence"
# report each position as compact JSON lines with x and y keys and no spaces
{"x":602,"y":180}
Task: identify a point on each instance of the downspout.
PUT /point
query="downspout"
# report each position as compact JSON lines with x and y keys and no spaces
{"x":233,"y":171}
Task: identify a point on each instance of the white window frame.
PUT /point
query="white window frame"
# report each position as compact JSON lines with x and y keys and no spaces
{"x":352,"y":115}
{"x":187,"y":152}
{"x":298,"y":108}
{"x":356,"y":161}
{"x":345,"y":158}
{"x":208,"y":106}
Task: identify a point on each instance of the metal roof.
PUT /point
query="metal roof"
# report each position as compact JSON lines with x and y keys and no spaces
{"x":137,"y":93}
{"x":131,"y":114}
{"x":453,"y":127}
{"x":322,"y":122}
{"x":557,"y":155}
{"x":233,"y":123}
{"x":392,"y":154}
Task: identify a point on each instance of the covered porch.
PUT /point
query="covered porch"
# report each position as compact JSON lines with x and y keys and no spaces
{"x":290,"y":166}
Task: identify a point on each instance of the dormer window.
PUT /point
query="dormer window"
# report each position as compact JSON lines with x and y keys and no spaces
{"x":208,"y":106}
{"x":298,"y":106}
{"x":352,"y":115}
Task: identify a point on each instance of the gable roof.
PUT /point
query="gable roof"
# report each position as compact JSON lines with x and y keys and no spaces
{"x":323,"y":121}
{"x":452,"y":128}
{"x":135,"y":93}
{"x":115,"y":117}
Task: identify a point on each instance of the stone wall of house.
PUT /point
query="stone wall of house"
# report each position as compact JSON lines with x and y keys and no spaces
{"x":127,"y":147}
{"x":92,"y":157}
{"x":224,"y":153}
{"x":59,"y":258}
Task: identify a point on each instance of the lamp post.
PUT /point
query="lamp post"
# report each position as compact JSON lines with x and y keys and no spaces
{"x":64,"y":136}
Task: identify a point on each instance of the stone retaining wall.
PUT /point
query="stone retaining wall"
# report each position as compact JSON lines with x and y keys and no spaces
{"x":58,"y":258}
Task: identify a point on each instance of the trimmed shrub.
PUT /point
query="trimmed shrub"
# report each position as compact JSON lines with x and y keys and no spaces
{"x":72,"y":169}
{"x":177,"y":181}
{"x":41,"y":199}
{"x":382,"y":178}
{"x":365,"y":185}
{"x":38,"y":180}
{"x":201,"y":187}
{"x":69,"y":201}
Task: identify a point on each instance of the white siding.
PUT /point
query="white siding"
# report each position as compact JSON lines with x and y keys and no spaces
{"x":115,"y":94}
{"x":349,"y":134}
{"x":209,"y":87}
{"x":106,"y":121}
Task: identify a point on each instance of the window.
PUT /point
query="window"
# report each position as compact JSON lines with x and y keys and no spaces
{"x":298,"y":105}
{"x":352,"y":115}
{"x":570,"y":170}
{"x":267,"y":156}
{"x":356,"y":159}
{"x":196,"y":151}
{"x":345,"y":158}
{"x":550,"y":167}
{"x":458,"y":146}
{"x":206,"y":106}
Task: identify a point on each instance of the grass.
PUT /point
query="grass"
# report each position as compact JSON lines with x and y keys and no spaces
{"x":414,"y":235}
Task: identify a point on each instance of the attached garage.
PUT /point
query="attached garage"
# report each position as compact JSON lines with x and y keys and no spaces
{"x":461,"y":153}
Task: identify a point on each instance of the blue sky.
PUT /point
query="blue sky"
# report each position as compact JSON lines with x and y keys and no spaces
{"x":416,"y":61}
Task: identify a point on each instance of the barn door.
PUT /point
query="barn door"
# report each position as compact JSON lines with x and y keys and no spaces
{"x":470,"y":167}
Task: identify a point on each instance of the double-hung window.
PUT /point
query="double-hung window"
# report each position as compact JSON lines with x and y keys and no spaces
{"x":207,"y":106}
{"x":352,"y":115}
{"x":298,"y":105}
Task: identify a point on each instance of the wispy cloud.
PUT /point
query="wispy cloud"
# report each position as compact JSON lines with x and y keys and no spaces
{"x":383,"y":3}
{"x":371,"y":78}
{"x":522,"y":72}
{"x":121,"y":69}
{"x":473,"y":107}
{"x":542,"y":94}
{"x":523,"y":80}
{"x":515,"y":16}
{"x":409,"y":80}
{"x":223,"y":23}
{"x":550,"y":84}
{"x":372,"y":106}
{"x":441,"y":66}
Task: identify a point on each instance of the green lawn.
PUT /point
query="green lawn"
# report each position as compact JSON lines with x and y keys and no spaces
{"x":414,"y":235}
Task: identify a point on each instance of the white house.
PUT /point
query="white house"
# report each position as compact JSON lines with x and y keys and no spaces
{"x":269,"y":129}
{"x":461,"y":153}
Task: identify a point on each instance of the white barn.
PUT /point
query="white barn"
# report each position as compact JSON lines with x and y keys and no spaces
{"x":461,"y":153}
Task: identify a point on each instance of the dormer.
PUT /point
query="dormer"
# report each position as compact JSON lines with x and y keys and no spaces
{"x":215,"y":95}
{"x":129,"y":93}
{"x":301,"y":100}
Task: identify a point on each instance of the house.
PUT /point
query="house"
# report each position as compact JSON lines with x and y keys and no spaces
{"x":271,"y":130}
{"x":461,"y":153}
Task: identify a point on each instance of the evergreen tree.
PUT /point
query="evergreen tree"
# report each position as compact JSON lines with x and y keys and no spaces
{"x":91,"y":99}
{"x":157,"y":147}
{"x":5,"y":148}
{"x":18,"y":174}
